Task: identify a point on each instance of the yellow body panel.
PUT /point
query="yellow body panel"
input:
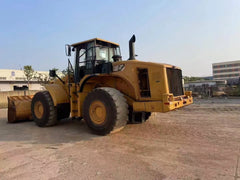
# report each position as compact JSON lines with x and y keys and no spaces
{"x":161,"y":106}
{"x":58,"y":93}
{"x":157,"y":77}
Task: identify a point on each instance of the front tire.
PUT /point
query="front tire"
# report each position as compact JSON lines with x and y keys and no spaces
{"x":43,"y":111}
{"x":105,"y":110}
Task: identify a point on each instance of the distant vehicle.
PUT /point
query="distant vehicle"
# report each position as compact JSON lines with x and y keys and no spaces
{"x":219,"y":94}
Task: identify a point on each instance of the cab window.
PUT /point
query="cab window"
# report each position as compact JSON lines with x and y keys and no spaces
{"x":102,"y":53}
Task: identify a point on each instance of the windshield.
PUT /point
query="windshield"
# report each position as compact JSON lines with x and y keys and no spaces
{"x":106,"y":53}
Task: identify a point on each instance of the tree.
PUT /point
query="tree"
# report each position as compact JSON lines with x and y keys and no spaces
{"x":28,"y":72}
{"x":41,"y":78}
{"x":65,"y":72}
{"x":192,"y":79}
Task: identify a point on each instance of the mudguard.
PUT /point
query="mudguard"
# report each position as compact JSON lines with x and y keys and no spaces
{"x":58,"y":93}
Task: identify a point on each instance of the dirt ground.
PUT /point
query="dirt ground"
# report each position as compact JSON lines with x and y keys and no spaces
{"x":201,"y":141}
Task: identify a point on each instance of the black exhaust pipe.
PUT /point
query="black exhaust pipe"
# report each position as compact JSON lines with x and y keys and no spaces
{"x":132,"y":48}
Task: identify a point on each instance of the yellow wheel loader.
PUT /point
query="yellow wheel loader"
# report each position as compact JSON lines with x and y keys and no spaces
{"x":106,"y":91}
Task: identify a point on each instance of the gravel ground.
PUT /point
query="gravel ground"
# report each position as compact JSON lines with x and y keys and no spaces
{"x":201,"y":141}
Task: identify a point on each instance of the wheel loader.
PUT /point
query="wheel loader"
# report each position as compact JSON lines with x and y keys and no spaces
{"x":104,"y":90}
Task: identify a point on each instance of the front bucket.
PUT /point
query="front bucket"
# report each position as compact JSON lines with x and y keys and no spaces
{"x":19,"y":108}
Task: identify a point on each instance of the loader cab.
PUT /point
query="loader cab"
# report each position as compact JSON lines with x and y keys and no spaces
{"x":94,"y":56}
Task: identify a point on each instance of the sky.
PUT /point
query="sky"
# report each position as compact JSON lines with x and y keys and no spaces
{"x":186,"y":33}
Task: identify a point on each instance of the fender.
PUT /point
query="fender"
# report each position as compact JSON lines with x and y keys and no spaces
{"x":58,"y":94}
{"x":114,"y":81}
{"x":84,"y":82}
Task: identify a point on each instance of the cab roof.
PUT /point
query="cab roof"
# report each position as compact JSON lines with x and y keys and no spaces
{"x":94,"y":39}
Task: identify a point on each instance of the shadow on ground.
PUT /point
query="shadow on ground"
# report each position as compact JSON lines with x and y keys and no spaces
{"x":66,"y":131}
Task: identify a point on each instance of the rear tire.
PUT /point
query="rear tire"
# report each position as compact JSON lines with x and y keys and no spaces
{"x":105,"y":110}
{"x":43,"y":111}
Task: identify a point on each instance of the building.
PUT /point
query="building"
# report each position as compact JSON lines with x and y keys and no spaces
{"x":226,"y":70}
{"x":11,"y":80}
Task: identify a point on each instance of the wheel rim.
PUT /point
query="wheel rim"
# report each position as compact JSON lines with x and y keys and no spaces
{"x":38,"y":109}
{"x":97,"y":112}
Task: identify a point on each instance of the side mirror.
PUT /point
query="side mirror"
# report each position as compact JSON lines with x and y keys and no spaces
{"x":68,"y":50}
{"x":52,"y":73}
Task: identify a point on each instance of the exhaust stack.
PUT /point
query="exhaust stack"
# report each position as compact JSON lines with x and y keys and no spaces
{"x":132,"y":48}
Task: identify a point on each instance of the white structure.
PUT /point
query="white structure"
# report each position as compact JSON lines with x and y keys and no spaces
{"x":205,"y":83}
{"x":11,"y":79}
{"x":226,"y":70}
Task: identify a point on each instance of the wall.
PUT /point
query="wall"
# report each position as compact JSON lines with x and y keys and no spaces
{"x":6,"y":87}
{"x":5,"y":94}
{"x":9,"y":86}
{"x":36,"y":87}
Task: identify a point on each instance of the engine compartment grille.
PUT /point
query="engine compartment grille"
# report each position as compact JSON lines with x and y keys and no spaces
{"x":175,"y":81}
